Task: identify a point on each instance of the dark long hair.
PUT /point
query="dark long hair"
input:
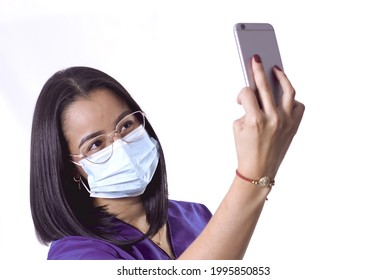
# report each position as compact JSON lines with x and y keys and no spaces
{"x":58,"y":207}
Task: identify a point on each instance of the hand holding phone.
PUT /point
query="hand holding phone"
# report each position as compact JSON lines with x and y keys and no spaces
{"x":258,"y":38}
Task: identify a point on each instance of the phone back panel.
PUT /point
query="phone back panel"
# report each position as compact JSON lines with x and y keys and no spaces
{"x":258,"y":38}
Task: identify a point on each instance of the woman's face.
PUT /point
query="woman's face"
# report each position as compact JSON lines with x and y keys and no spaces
{"x":85,"y":118}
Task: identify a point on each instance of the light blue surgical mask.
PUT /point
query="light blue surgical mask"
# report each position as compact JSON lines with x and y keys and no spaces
{"x":128,"y":171}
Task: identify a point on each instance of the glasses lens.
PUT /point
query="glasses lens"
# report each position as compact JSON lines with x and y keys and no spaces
{"x":129,"y":124}
{"x":98,"y":149}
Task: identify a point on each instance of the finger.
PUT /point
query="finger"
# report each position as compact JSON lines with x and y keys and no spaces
{"x":264,"y":90}
{"x":248,"y":100}
{"x":288,"y":92}
{"x":298,"y":113}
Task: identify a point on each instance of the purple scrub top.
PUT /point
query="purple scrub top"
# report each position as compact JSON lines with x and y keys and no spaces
{"x":186,"y":221}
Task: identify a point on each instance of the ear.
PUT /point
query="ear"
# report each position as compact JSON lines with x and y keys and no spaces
{"x":78,"y":172}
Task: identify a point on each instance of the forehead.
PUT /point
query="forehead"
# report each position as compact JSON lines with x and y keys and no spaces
{"x":96,"y":112}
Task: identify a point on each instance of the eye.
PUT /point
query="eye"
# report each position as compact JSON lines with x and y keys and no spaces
{"x":127,"y":125}
{"x":94,"y":145}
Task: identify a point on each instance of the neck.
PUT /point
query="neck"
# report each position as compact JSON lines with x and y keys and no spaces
{"x":131,"y":210}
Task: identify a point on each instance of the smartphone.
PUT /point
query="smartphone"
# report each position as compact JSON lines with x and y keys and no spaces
{"x":258,"y":38}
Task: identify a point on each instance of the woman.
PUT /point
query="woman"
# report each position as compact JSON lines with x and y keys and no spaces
{"x":98,"y":177}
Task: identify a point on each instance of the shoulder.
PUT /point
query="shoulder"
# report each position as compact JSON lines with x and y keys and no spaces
{"x":84,"y":248}
{"x":190,"y":210}
{"x":186,"y":221}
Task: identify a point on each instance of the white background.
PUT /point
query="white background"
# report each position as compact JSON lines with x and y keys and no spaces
{"x":326,"y":217}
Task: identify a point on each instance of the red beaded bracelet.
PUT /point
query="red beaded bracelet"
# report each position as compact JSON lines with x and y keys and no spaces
{"x":263,"y":182}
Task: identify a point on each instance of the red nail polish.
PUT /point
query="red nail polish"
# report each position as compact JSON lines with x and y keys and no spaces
{"x":278,"y":68}
{"x":257,"y":58}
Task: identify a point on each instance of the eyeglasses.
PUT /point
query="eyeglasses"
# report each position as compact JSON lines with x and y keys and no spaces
{"x":104,"y":141}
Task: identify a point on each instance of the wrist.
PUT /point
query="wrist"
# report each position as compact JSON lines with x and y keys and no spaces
{"x":262,"y":182}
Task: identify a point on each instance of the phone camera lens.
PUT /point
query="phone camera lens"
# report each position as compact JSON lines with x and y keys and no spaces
{"x":243,"y":26}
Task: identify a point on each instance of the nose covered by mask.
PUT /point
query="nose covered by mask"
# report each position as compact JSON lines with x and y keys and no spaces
{"x":129,"y":169}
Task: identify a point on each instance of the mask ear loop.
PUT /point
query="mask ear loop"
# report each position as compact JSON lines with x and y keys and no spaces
{"x":78,"y":181}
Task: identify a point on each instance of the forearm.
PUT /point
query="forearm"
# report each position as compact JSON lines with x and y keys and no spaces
{"x":262,"y":138}
{"x":228,"y":233}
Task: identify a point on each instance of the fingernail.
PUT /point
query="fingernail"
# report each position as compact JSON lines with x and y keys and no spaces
{"x":257,"y":58}
{"x":278,"y":68}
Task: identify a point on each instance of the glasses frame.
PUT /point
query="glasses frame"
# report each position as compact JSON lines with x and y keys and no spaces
{"x":109,"y":136}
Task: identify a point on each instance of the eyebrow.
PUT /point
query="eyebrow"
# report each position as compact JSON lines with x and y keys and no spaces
{"x":99,"y":132}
